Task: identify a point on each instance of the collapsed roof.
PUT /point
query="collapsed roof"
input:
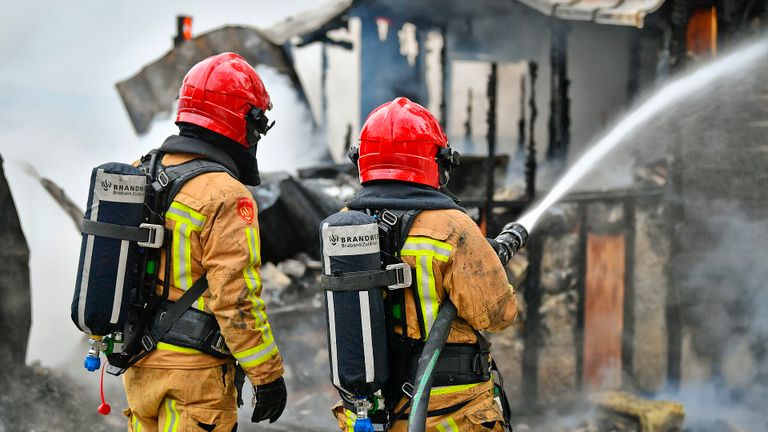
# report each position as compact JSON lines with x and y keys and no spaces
{"x":616,"y":12}
{"x":152,"y":90}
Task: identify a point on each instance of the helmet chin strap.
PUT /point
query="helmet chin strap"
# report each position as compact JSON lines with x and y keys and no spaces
{"x":446,"y":159}
{"x":256,"y":125}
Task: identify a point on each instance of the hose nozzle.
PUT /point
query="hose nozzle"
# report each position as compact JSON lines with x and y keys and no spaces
{"x":512,"y":238}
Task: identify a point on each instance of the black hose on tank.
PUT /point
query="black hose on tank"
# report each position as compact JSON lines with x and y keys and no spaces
{"x":417,"y":420}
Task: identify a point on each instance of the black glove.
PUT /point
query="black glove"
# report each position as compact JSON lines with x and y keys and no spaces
{"x":269,"y":401}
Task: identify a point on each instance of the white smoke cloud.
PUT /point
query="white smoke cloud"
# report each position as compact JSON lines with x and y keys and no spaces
{"x":61,"y":113}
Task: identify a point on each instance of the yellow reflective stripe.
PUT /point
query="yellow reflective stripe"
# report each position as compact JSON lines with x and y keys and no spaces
{"x":448,"y":425}
{"x":175,"y":348}
{"x":423,"y":249}
{"x":171,"y":416}
{"x":451,"y":389}
{"x":258,"y":354}
{"x":253,"y":283}
{"x":254,"y":248}
{"x":184,"y":214}
{"x":432,"y":301}
{"x":425,"y":284}
{"x":176,"y":246}
{"x":136,"y":424}
{"x":187,"y":221}
{"x":420,"y":246}
{"x":351,"y":418}
{"x":430,"y":241}
{"x":187,"y":264}
{"x":252,"y":278}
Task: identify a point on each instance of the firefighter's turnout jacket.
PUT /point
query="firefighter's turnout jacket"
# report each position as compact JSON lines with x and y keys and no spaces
{"x":452,"y":259}
{"x":214,"y":233}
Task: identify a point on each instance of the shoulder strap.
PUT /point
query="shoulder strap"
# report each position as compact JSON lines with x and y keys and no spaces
{"x":407,"y":217}
{"x":395,"y":225}
{"x":153,"y":336}
{"x":172,"y":178}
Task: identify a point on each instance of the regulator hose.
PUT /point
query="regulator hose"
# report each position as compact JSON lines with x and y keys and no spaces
{"x":417,"y":420}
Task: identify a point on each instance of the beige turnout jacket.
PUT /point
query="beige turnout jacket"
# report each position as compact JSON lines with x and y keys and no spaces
{"x":215,"y":233}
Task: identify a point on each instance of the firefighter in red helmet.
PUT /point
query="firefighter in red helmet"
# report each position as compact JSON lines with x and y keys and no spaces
{"x":214,"y":233}
{"x":405,"y":162}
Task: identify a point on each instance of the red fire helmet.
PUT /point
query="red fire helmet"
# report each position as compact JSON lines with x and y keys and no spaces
{"x":402,"y":140}
{"x":218,"y":93}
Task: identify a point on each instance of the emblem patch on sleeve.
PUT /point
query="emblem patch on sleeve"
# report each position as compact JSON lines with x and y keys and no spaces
{"x":245,"y":210}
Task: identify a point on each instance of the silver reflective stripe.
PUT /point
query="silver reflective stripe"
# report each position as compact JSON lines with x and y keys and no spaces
{"x":87,"y":260}
{"x":184,"y":243}
{"x":117,"y":302}
{"x":326,"y":257}
{"x":448,"y":425}
{"x":365,"y":319}
{"x":332,"y":332}
{"x":186,"y":215}
{"x":84,"y":283}
{"x":170,"y":424}
{"x":425,"y":295}
{"x":427,"y":246}
{"x":258,"y":354}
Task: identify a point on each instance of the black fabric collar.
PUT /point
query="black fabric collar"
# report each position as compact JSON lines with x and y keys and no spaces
{"x":183,"y":144}
{"x":394,"y":195}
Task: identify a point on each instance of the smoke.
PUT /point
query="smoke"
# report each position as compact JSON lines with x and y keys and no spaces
{"x":60,"y":117}
{"x":707,"y":153}
{"x":57,"y":193}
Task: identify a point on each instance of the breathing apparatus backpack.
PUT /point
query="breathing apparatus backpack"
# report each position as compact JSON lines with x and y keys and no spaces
{"x":115,"y":300}
{"x":372,"y":365}
{"x":360,"y":279}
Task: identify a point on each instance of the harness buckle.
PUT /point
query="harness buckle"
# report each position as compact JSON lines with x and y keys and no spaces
{"x":407,"y":388}
{"x":163,"y":178}
{"x":147,"y":343}
{"x":114,"y":370}
{"x":403,"y":275}
{"x":389,"y":218}
{"x":219,"y":344}
{"x":481,"y":365}
{"x":155,"y":236}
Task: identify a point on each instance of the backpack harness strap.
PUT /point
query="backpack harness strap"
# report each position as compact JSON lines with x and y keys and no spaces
{"x":395,"y":276}
{"x":145,"y":235}
{"x":176,"y":310}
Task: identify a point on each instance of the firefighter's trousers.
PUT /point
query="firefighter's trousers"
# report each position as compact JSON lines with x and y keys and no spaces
{"x":481,"y":414}
{"x":176,"y":400}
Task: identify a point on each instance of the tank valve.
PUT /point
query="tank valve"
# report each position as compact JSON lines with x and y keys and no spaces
{"x":512,"y":238}
{"x":92,"y":360}
{"x":363,"y":423}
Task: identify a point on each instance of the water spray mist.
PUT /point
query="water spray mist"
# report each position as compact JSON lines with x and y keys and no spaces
{"x":667,"y":96}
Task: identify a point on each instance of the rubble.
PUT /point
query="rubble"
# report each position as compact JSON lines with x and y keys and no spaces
{"x":621,"y":411}
{"x":293,"y":268}
{"x":290,"y":213}
{"x":39,"y":399}
{"x":273,"y":280}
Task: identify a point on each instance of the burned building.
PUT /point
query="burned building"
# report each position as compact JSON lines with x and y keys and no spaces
{"x":621,"y":285}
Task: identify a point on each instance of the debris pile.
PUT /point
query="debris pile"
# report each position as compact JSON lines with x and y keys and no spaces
{"x":39,"y":399}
